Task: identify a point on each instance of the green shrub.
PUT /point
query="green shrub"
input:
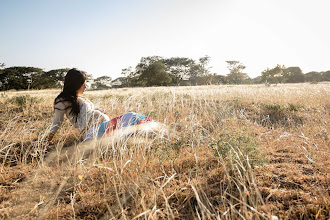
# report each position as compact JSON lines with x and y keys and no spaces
{"x":273,"y":115}
{"x":239,"y":147}
{"x":273,"y":107}
{"x":24,"y":101}
{"x":294,"y":107}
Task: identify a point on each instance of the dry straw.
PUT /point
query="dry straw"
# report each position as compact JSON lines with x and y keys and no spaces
{"x":250,"y":152}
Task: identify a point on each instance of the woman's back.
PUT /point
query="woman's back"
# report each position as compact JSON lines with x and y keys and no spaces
{"x":88,"y":116}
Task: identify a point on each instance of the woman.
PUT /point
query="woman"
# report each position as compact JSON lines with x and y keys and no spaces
{"x":80,"y":111}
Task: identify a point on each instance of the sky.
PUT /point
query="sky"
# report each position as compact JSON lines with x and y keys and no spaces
{"x":102,"y":37}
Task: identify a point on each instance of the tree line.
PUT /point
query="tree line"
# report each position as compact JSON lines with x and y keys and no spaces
{"x":158,"y":71}
{"x":281,"y":74}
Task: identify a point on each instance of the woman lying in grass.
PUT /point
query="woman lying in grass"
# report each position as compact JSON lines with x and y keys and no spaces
{"x":91,"y":122}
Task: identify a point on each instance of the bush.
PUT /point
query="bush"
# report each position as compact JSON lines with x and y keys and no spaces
{"x":276,"y":115}
{"x":237,"y":146}
{"x":24,"y":101}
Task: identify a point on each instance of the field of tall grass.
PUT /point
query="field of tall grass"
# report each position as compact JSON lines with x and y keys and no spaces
{"x":235,"y":152}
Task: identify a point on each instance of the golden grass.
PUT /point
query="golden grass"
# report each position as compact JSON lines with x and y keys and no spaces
{"x":248,"y":152}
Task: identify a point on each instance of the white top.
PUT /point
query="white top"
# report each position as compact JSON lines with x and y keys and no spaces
{"x":88,"y":116}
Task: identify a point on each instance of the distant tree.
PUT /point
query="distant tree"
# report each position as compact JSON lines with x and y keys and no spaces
{"x":195,"y":72}
{"x":144,"y":63}
{"x":236,"y":75}
{"x":57,"y":75}
{"x":140,"y":75}
{"x":204,"y":62}
{"x":51,"y":79}
{"x":257,"y":80}
{"x":128,"y":79}
{"x":209,"y":79}
{"x":127,"y":71}
{"x":155,"y":74}
{"x":2,"y":65}
{"x":293,"y":75}
{"x":118,"y":82}
{"x":200,"y":71}
{"x":281,"y":74}
{"x":157,"y":70}
{"x":20,"y":77}
{"x":178,"y":68}
{"x":103,"y":82}
{"x":219,"y":79}
{"x":32,"y":75}
{"x":150,"y":71}
{"x":274,"y":75}
{"x":11,"y":79}
{"x":326,"y":76}
{"x":313,"y":77}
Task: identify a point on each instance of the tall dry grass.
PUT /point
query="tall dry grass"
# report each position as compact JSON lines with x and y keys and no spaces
{"x":251,"y":152}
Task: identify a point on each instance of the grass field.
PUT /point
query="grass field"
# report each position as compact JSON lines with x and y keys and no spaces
{"x":240,"y":152}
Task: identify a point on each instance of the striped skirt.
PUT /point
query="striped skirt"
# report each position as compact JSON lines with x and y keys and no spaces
{"x":105,"y":128}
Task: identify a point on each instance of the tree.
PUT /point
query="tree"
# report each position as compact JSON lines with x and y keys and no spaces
{"x":118,"y":82}
{"x":51,"y":79}
{"x":10,"y":79}
{"x":219,"y":79}
{"x":209,"y":79}
{"x":326,"y":76}
{"x":151,"y":71}
{"x":274,"y":75}
{"x":178,"y":68}
{"x":281,"y":74}
{"x":204,"y":62}
{"x":293,"y":75}
{"x":128,"y":79}
{"x":140,"y":74}
{"x":103,"y":82}
{"x":236,"y":75}
{"x":20,"y":77}
{"x":313,"y":77}
{"x":127,"y":71}
{"x":199,"y":71}
{"x":257,"y":80}
{"x":145,"y":62}
{"x":155,"y":74}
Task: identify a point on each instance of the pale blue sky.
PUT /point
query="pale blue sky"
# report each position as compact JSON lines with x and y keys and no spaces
{"x":103,"y":37}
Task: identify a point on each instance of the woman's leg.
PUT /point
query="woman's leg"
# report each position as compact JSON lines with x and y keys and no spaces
{"x":96,"y":131}
{"x":120,"y":122}
{"x":132,"y":118}
{"x":126,"y":120}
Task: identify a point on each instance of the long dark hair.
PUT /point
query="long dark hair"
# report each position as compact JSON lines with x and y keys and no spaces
{"x":74,"y":79}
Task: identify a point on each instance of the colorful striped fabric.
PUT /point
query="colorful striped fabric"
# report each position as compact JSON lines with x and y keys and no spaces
{"x":125,"y":120}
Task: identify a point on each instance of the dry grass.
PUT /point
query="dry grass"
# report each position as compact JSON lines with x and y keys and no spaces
{"x":248,"y":152}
